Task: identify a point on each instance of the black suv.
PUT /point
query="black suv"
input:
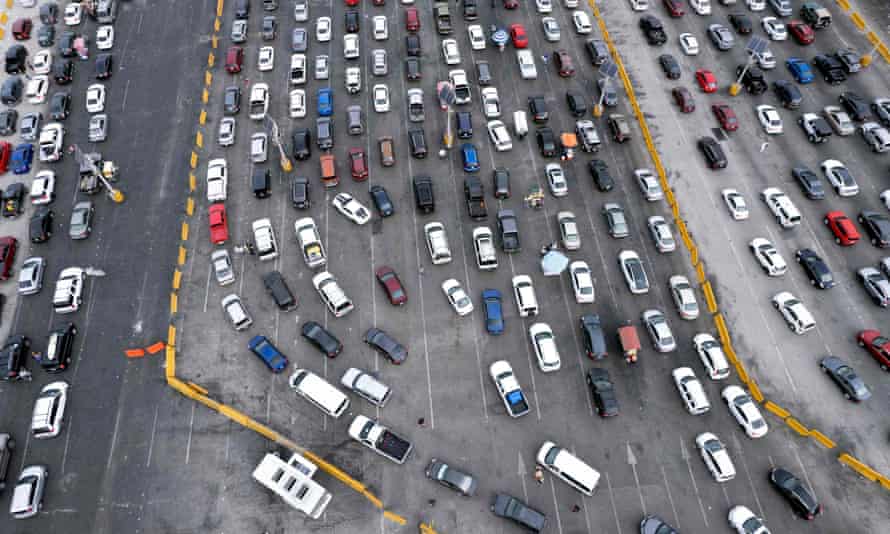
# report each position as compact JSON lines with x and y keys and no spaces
{"x":13,"y":356}
{"x":483,"y":73}
{"x":815,"y":268}
{"x":670,"y":66}
{"x":537,"y":106}
{"x":351,"y":19}
{"x":713,"y":152}
{"x":413,"y":69}
{"x":13,"y":200}
{"x":63,"y":71}
{"x":599,"y":171}
{"x":753,"y":80}
{"x":474,"y":194}
{"x":103,"y":66}
{"x":787,"y":93}
{"x":46,"y":36}
{"x":653,"y":30}
{"x":592,"y":334}
{"x":386,"y":345}
{"x":281,"y":294}
{"x":546,"y":141}
{"x":464,"y":124}
{"x":417,"y":140}
{"x":855,"y":106}
{"x":508,"y":230}
{"x":59,"y":347}
{"x":831,"y":69}
{"x":66,"y":44}
{"x":809,"y":183}
{"x":299,"y":193}
{"x":412,"y":43}
{"x":40,"y":228}
{"x":11,"y":91}
{"x":16,"y":59}
{"x":8,"y":120}
{"x":877,"y":226}
{"x":302,"y":140}
{"x":577,"y":104}
{"x":471,"y":10}
{"x":324,"y":133}
{"x":323,"y":340}
{"x":423,"y":194}
{"x":60,"y":106}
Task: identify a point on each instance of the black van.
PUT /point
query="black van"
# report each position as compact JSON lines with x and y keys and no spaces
{"x":299,"y":192}
{"x":261,"y":182}
{"x":417,"y":140}
{"x":281,"y":294}
{"x":59,"y":347}
{"x":423,"y":194}
{"x":464,"y":124}
{"x":594,"y":340}
{"x":16,"y":59}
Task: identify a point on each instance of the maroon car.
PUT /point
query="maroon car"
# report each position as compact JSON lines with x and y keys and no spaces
{"x":876,"y":345}
{"x":392,"y":285}
{"x":511,"y":4}
{"x":801,"y":32}
{"x":726,"y":116}
{"x":674,"y":8}
{"x":684,"y":99}
{"x":358,"y":164}
{"x":8,"y":246}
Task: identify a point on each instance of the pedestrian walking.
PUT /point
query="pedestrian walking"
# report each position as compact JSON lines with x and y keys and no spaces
{"x":539,"y":475}
{"x":545,"y":58}
{"x":431,"y":502}
{"x":576,"y":508}
{"x":421,"y":422}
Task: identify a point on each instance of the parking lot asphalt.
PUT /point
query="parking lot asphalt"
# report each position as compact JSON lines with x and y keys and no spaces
{"x":646,"y":454}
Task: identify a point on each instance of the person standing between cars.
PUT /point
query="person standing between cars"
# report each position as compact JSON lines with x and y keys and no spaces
{"x":539,"y":474}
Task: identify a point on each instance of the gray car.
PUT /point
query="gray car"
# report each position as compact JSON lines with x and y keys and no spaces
{"x":608,"y":92}
{"x":27,"y":496}
{"x":31,"y":275}
{"x":551,"y":29}
{"x":29,"y":126}
{"x":721,"y":36}
{"x":81,"y":220}
{"x":616,"y":220}
{"x":846,"y":378}
{"x":452,"y":478}
{"x":876,"y":285}
{"x":7,"y":444}
{"x":299,"y":40}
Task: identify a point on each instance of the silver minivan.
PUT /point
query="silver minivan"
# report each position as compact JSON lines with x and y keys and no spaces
{"x":354,"y":120}
{"x":366,"y":386}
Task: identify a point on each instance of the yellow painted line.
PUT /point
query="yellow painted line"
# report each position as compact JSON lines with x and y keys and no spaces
{"x":174,"y":302}
{"x":9,"y":4}
{"x":4,"y":17}
{"x":776,"y":410}
{"x":858,"y":21}
{"x":884,"y":482}
{"x":190,"y":206}
{"x":205,"y":96}
{"x":797,"y":426}
{"x":844,"y":4}
{"x":710,"y":299}
{"x":219,"y":7}
{"x":216,"y":24}
{"x":754,"y":389}
{"x":208,"y":77}
{"x":199,"y":388}
{"x":693,"y":256}
{"x":181,"y":259}
{"x":873,"y":38}
{"x":729,"y":351}
{"x":192,"y":181}
{"x":214,"y":41}
{"x":743,"y":374}
{"x":700,"y":271}
{"x":858,"y":466}
{"x":177,"y":278}
{"x":2,"y":33}
{"x":211,"y":59}
{"x":202,"y":118}
{"x":199,"y":139}
{"x":193,"y":161}
{"x":822,"y":439}
{"x":720,"y":323}
{"x":170,"y":366}
{"x":171,"y":336}
{"x":184,"y":233}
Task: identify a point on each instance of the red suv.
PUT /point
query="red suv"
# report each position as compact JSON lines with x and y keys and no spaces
{"x":845,"y":233}
{"x":801,"y":32}
{"x":517,"y":33}
{"x":392,"y":285}
{"x":234,"y":59}
{"x":358,"y":164}
{"x":726,"y":116}
{"x":684,"y":99}
{"x":876,"y":345}
{"x":412,"y":19}
{"x":8,"y":246}
{"x":564,"y":64}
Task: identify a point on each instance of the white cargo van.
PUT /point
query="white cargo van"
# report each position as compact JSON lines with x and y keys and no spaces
{"x":319,"y":392}
{"x":568,"y":467}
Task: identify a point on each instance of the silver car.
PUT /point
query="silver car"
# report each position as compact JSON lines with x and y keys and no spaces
{"x":81,"y":220}
{"x":451,"y":478}
{"x":661,"y":234}
{"x":27,"y":496}
{"x":31,"y":275}
{"x":378,"y":61}
{"x":226,"y":136}
{"x":98,"y":128}
{"x":659,"y":331}
{"x":616,"y":220}
{"x":568,"y":230}
{"x":721,"y":36}
{"x":839,"y":120}
{"x":239,"y":31}
{"x":366,"y":386}
{"x":608,"y":92}
{"x":222,"y":267}
{"x":551,"y":29}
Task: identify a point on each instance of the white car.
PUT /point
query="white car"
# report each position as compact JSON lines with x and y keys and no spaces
{"x":582,"y":22}
{"x":450,"y":51}
{"x":105,"y":37}
{"x":544,"y":6}
{"x":477,"y":37}
{"x":508,"y":388}
{"x":840,"y":178}
{"x":266,"y":59}
{"x":499,"y":135}
{"x":656,"y":324}
{"x":744,"y":521}
{"x":526,"y":61}
{"x":222,"y":267}
{"x":568,"y":230}
{"x":49,"y":413}
{"x":551,"y":29}
{"x":226,"y":134}
{"x":42,"y":62}
{"x":350,"y":46}
{"x":323,"y":29}
{"x":684,"y":297}
{"x":689,"y":44}
{"x":633,"y":271}
{"x":691,"y":391}
{"x":301,"y":10}
{"x":661,"y":234}
{"x":217,"y":180}
{"x":380,"y":28}
{"x":379,"y":66}
{"x":556,"y":179}
{"x":381,"y":98}
{"x":766,"y":60}
{"x":310,"y":242}
{"x":711,"y":355}
{"x":351,"y":208}
{"x":462,"y":94}
{"x":353,"y":79}
{"x":259,"y":101}
{"x":769,"y":118}
{"x":839,"y":120}
{"x":544,"y":344}
{"x":582,"y":282}
{"x":796,"y":315}
{"x":774,"y":28}
{"x":259,"y":147}
{"x":298,"y":69}
{"x":491,"y":103}
{"x":37,"y":88}
{"x":756,"y":5}
{"x":885,"y":198}
{"x":745,"y":411}
{"x":43,"y":188}
{"x":73,"y":14}
{"x":649,"y":185}
{"x":322,"y":67}
{"x":457,"y":297}
{"x":297,"y":104}
{"x":639,"y":5}
{"x":735,"y":203}
{"x":768,"y":257}
{"x":715,"y":456}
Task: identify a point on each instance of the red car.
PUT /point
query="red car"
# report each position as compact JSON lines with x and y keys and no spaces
{"x":801,"y":32}
{"x":684,"y":99}
{"x":674,"y":8}
{"x":845,"y":234}
{"x":706,"y":80}
{"x":412,"y":19}
{"x":219,"y":224}
{"x":358,"y":164}
{"x":21,"y":29}
{"x":351,"y":3}
{"x":517,"y":33}
{"x":392,"y":285}
{"x":511,"y":4}
{"x":564,"y":63}
{"x":726,"y":116}
{"x":8,"y":246}
{"x":234,"y":59}
{"x":5,"y":153}
{"x":876,"y":345}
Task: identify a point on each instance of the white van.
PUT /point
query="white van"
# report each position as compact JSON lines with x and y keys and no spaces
{"x":292,"y":481}
{"x":264,"y":238}
{"x":568,"y":467}
{"x":524,"y":293}
{"x":68,"y":294}
{"x":702,"y":7}
{"x":437,"y":243}
{"x":520,"y":126}
{"x":319,"y":392}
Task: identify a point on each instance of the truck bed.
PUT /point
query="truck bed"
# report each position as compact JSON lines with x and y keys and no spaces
{"x":393,"y":446}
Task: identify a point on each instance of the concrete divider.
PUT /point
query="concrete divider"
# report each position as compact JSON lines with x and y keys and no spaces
{"x":859,"y":467}
{"x":754,"y":390}
{"x":843,"y":4}
{"x":822,"y":439}
{"x":797,"y":426}
{"x":858,"y":21}
{"x":776,"y":410}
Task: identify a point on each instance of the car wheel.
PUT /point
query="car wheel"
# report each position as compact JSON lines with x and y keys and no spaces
{"x":823,"y":369}
{"x":825,"y":220}
{"x":847,"y":396}
{"x":791,"y":327}
{"x":812,"y":282}
{"x":884,"y":367}
{"x":812,"y":138}
{"x":860,"y":343}
{"x":837,"y":240}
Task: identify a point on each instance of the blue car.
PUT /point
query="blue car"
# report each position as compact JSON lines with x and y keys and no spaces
{"x":470,"y":157}
{"x":266,"y":351}
{"x":21,"y":158}
{"x":325,"y":102}
{"x":800,"y":69}
{"x":494,"y":316}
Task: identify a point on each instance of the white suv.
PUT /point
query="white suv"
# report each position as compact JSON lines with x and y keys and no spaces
{"x":783,"y":209}
{"x":333,"y":296}
{"x":49,"y":410}
{"x":437,"y":243}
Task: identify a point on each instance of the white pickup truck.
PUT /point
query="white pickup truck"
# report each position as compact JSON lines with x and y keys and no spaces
{"x":483,"y":244}
{"x":378,"y":438}
{"x":310,"y":242}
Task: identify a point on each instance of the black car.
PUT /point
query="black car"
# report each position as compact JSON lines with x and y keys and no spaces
{"x":11,"y":90}
{"x":351,"y":19}
{"x":855,"y":106}
{"x":464,"y":121}
{"x":753,"y":79}
{"x":40,"y":229}
{"x":537,"y":107}
{"x":46,"y":35}
{"x":474,"y":195}
{"x":323,"y":340}
{"x":103,"y":66}
{"x":413,"y":69}
{"x":299,"y":193}
{"x":670,"y":66}
{"x":63,"y":71}
{"x":417,"y":142}
{"x":382,"y":201}
{"x":599,"y":171}
{"x":789,"y":486}
{"x":809,"y":182}
{"x":8,"y":120}
{"x":483,"y":73}
{"x":386,"y":345}
{"x":713,"y":152}
{"x":412,"y":43}
{"x":787,"y":93}
{"x":66,"y":44}
{"x":577,"y":103}
{"x":653,"y":30}
{"x":877,"y":226}
{"x":324,"y":133}
{"x":242,"y":9}
{"x":546,"y":141}
{"x":831,"y":69}
{"x":13,"y":356}
{"x":13,"y":200}
{"x":60,"y":106}
{"x":500,"y":178}
{"x":232,"y":100}
{"x":603,"y":391}
{"x":471,"y":10}
{"x":508,"y":231}
{"x":846,"y":378}
{"x":593,"y":337}
{"x":511,"y":508}
{"x":16,"y":59}
{"x":279,"y":291}
{"x":741,"y":23}
{"x":815,"y":268}
{"x":423,"y":194}
{"x":302,"y":144}
{"x":59,"y":348}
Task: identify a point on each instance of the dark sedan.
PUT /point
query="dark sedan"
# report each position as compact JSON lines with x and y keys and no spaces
{"x":713,"y":153}
{"x":741,"y":23}
{"x":390,"y":282}
{"x":846,"y":378}
{"x":603,"y":391}
{"x":815,"y":268}
{"x":40,"y":228}
{"x":877,"y":226}
{"x":855,"y":106}
{"x":809,"y":183}
{"x":386,"y":346}
{"x":381,"y":200}
{"x":670,"y":66}
{"x":451,"y":478}
{"x":103,"y":66}
{"x":323,"y":339}
{"x":599,"y":171}
{"x":800,"y":499}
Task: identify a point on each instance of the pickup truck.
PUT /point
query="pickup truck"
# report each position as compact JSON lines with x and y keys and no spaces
{"x":378,"y":438}
{"x":443,"y":18}
{"x":816,"y":128}
{"x":508,"y":388}
{"x":483,"y":243}
{"x":753,"y":80}
{"x":310,"y":242}
{"x":475,"y":196}
{"x":587,"y":135}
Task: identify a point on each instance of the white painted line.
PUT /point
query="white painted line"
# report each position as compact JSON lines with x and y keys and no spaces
{"x":803,"y":469}
{"x":632,"y":461}
{"x":188,"y":445}
{"x":151,"y":441}
{"x":67,"y":440}
{"x":555,"y":504}
{"x":207,"y":286}
{"x":139,"y":25}
{"x":521,"y":471}
{"x":741,"y":454}
{"x":670,"y":497}
{"x":126,"y":90}
{"x":117,"y":420}
{"x":612,"y":500}
{"x":684,"y":452}
{"x":583,"y":501}
{"x":25,"y":450}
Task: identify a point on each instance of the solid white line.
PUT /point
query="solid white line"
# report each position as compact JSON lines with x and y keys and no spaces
{"x":117,"y":420}
{"x":151,"y":442}
{"x":25,"y":450}
{"x":741,"y":454}
{"x":207,"y":286}
{"x":188,"y":445}
{"x":126,"y":90}
{"x":701,"y":505}
{"x":670,"y":497}
{"x":803,"y":469}
{"x":612,"y":500}
{"x":633,"y":468}
{"x":67,"y":440}
{"x":555,"y":504}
